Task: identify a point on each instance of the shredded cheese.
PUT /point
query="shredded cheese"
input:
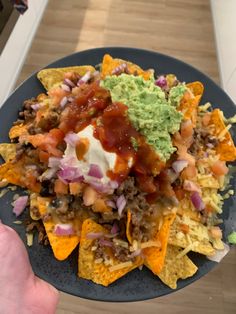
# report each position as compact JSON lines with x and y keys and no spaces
{"x":120,"y":266}
{"x":147,"y":244}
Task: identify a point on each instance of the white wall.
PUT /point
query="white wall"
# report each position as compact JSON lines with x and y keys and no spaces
{"x":15,"y":50}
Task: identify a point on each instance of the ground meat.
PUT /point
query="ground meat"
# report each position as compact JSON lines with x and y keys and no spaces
{"x":47,"y":188}
{"x":38,"y":226}
{"x":49,"y":121}
{"x":140,"y":209}
{"x":121,"y":253}
{"x":28,"y":113}
{"x":35,"y":211}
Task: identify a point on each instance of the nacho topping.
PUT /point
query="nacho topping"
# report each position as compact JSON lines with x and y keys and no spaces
{"x":124,"y":163}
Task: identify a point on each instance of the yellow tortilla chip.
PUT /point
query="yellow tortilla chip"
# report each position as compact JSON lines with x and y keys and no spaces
{"x":98,"y":272}
{"x":176,"y":268}
{"x":196,"y":239}
{"x":18,"y":130}
{"x":62,"y":246}
{"x":53,"y":77}
{"x":16,"y":173}
{"x":8,"y":151}
{"x":196,"y":88}
{"x":109,"y":65}
{"x":225,"y":148}
{"x":155,"y":256}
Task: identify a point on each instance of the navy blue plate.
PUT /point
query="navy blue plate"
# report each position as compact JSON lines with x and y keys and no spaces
{"x":137,"y":285}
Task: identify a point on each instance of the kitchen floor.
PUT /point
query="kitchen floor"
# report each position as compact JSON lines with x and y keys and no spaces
{"x":180,"y":28}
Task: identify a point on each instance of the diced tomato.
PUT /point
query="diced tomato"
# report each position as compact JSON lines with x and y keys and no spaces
{"x":60,"y":187}
{"x":90,"y":196}
{"x":180,"y":193}
{"x":81,"y":148}
{"x":76,"y":188}
{"x":184,"y":228}
{"x":57,"y":94}
{"x":189,"y":172}
{"x":43,"y":156}
{"x":206,"y":118}
{"x":146,"y":184}
{"x":186,"y":129}
{"x":219,"y":168}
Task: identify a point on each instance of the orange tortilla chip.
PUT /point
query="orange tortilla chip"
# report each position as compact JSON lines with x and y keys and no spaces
{"x":155,"y":256}
{"x":225,"y":148}
{"x":109,"y":65}
{"x":18,"y":130}
{"x":16,"y":173}
{"x":189,"y":104}
{"x":62,"y":246}
{"x":99,"y":272}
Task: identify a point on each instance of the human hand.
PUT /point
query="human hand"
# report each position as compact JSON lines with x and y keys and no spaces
{"x":21,"y":292}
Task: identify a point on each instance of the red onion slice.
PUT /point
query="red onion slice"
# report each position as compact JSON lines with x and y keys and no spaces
{"x":136,"y":253}
{"x":119,"y":69}
{"x":115,"y":229}
{"x":197,"y":201}
{"x":70,"y":174}
{"x":191,"y":186}
{"x":95,"y":171}
{"x":220,"y":254}
{"x":69,"y":82}
{"x":71,"y":138}
{"x":63,"y":230}
{"x":36,"y":106}
{"x":94,"y":235}
{"x":161,"y":81}
{"x":111,"y":203}
{"x":54,"y":162}
{"x":105,"y":242}
{"x":19,"y":205}
{"x":63,"y":102}
{"x":179,"y":165}
{"x":84,"y":79}
{"x":120,"y":203}
{"x":65,"y":87}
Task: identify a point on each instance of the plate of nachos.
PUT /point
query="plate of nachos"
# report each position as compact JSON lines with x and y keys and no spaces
{"x":117,"y":173}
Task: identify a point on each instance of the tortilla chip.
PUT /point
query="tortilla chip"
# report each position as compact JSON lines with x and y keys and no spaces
{"x":185,"y":207}
{"x":16,"y":173}
{"x":225,"y":148}
{"x":18,"y":130}
{"x":155,"y":256}
{"x":109,"y":65}
{"x":176,"y":268}
{"x":62,"y":246}
{"x":196,"y":240}
{"x":54,"y":76}
{"x":188,"y":105}
{"x":8,"y":151}
{"x":88,"y":268}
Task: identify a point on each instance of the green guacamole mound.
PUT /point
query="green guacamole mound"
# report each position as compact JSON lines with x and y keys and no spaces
{"x":150,"y":112}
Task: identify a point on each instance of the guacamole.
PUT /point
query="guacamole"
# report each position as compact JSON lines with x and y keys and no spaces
{"x":148,"y":110}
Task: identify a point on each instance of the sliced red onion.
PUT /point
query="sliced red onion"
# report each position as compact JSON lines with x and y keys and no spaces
{"x":84,"y":79}
{"x":120,"y":68}
{"x":65,"y":87}
{"x":191,"y":186}
{"x":115,"y":228}
{"x":63,"y":230}
{"x":96,"y":73}
{"x":220,"y":254}
{"x":111,"y":203}
{"x":179,"y":165}
{"x":71,"y":138}
{"x":197,"y":201}
{"x":136,"y":253}
{"x":36,"y":106}
{"x":95,"y":171}
{"x":161,"y":81}
{"x":94,"y":235}
{"x":63,"y":102}
{"x":67,"y":161}
{"x":48,"y":174}
{"x":113,"y":184}
{"x":69,"y":82}
{"x":105,"y":242}
{"x":19,"y":205}
{"x":54,"y":162}
{"x":120,"y":203}
{"x":70,"y":174}
{"x":71,"y":99}
{"x":172,"y":175}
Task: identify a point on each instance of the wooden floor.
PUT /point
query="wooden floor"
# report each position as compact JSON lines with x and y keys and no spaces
{"x":181,"y":28}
